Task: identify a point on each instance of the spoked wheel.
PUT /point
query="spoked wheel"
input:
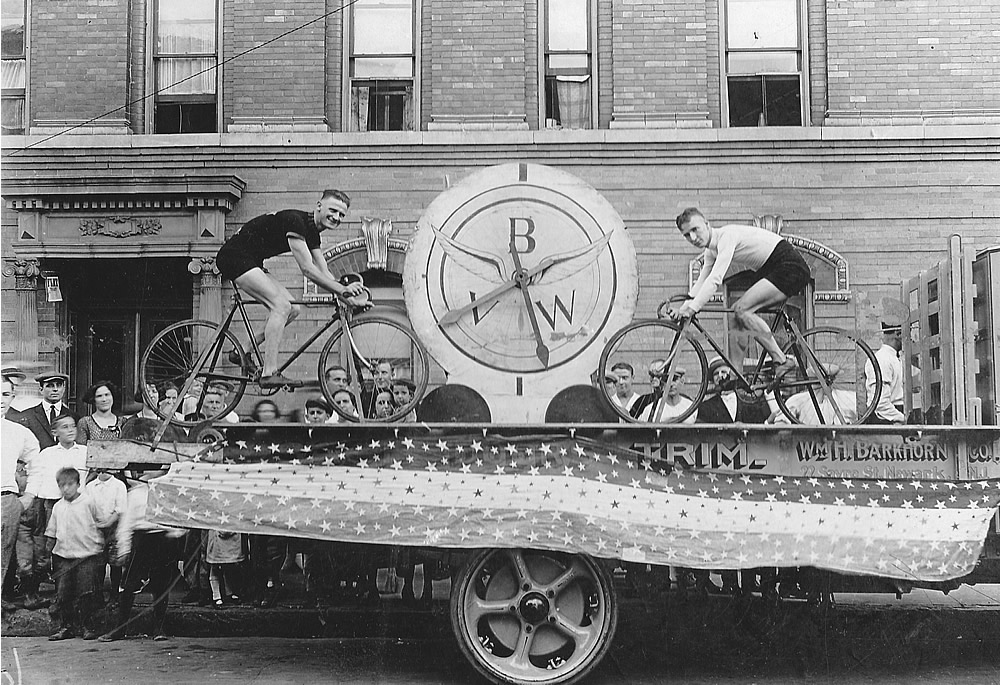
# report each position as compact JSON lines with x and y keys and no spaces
{"x":376,"y":342}
{"x":643,"y":342}
{"x":171,"y":357}
{"x":839,"y":358}
{"x":531,"y":616}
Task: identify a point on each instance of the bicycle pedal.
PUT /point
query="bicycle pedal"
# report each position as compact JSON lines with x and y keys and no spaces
{"x":279,"y":381}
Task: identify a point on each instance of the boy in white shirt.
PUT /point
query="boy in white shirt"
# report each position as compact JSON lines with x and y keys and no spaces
{"x":73,"y":539}
{"x":40,"y":495}
{"x":111,"y":498}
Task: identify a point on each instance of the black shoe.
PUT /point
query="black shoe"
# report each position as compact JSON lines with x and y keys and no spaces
{"x":113,"y":636}
{"x":277,"y":380}
{"x":192,"y":597}
{"x":61,"y":634}
{"x":784,"y":368}
{"x":90,"y":635}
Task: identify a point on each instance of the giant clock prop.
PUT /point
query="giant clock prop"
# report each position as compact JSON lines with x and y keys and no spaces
{"x":515,"y":279}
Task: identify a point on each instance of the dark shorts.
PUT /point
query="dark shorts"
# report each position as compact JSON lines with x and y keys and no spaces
{"x":786,"y":269}
{"x":233,"y":263}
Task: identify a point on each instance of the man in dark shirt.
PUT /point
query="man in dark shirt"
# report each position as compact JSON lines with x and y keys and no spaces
{"x":241,"y":260}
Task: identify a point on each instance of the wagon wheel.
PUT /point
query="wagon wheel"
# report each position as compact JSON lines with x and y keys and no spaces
{"x":531,"y":616}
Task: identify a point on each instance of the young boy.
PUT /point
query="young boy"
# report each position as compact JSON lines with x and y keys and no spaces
{"x":75,"y":542}
{"x":317,"y":410}
{"x":402,"y":393}
{"x":109,"y":494}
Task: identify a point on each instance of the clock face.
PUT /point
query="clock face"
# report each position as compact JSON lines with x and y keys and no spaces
{"x":520,"y":269}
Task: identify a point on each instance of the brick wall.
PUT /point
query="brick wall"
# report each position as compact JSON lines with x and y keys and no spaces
{"x":79,"y":60}
{"x":477,"y":54}
{"x":659,"y":58}
{"x":899,"y":57}
{"x":285,"y":78}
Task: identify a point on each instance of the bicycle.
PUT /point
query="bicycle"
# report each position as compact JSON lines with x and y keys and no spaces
{"x":199,"y":354}
{"x":830,"y":367}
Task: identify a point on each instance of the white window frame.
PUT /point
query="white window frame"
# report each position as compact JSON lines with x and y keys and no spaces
{"x":27,"y":68}
{"x":803,"y":51}
{"x":543,"y":39}
{"x":149,"y":117}
{"x":348,"y":54}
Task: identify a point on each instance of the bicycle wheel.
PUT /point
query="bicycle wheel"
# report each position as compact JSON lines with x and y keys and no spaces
{"x":840,"y":359}
{"x":638,"y":345}
{"x":377,"y":341}
{"x":171,"y":358}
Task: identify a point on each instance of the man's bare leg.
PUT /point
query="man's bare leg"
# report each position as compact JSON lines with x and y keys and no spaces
{"x":761,"y":294}
{"x":281,"y":312}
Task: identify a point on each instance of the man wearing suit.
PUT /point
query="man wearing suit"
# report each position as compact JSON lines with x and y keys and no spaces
{"x":726,"y":406}
{"x":38,"y":418}
{"x":32,"y":555}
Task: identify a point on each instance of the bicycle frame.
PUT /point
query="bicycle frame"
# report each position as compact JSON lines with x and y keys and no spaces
{"x":799,"y":346}
{"x":212,"y":351}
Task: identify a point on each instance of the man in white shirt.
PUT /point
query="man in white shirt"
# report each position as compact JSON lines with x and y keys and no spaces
{"x":18,"y":446}
{"x":890,"y":403}
{"x":624,"y":397}
{"x":780,"y":270}
{"x":666,"y":401}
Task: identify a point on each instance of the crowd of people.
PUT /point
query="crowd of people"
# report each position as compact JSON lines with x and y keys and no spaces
{"x":84,"y":531}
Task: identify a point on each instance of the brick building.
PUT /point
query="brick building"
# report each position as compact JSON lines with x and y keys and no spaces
{"x":138,"y":134}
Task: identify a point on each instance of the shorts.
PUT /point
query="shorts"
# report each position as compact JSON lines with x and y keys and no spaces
{"x":233,"y":263}
{"x":786,"y":269}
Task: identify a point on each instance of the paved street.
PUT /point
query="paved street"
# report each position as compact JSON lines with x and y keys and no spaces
{"x":276,"y":661}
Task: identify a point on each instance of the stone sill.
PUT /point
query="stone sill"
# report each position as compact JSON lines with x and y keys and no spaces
{"x":789,"y":135}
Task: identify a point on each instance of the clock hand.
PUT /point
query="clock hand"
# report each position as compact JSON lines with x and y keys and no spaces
{"x":456,"y":314}
{"x":541,"y":351}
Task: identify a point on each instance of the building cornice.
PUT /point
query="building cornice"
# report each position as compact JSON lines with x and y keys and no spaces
{"x":55,"y":193}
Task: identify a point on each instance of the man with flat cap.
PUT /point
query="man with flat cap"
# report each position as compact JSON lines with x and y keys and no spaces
{"x":38,"y":419}
{"x":889,"y":409}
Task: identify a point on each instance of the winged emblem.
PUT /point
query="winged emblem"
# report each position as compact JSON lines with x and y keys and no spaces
{"x":493,"y":267}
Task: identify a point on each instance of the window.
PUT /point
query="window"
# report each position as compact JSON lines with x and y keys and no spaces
{"x":184,"y":59}
{"x":763,"y":62}
{"x":382,"y":66}
{"x":12,"y":107}
{"x":568,"y":64}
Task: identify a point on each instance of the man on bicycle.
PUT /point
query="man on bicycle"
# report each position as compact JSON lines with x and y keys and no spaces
{"x":241,"y":260}
{"x":780,"y":270}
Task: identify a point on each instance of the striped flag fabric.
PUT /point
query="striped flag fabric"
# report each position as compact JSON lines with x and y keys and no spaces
{"x":578,"y":495}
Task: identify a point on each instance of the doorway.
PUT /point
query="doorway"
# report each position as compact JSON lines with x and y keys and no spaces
{"x":113,"y":308}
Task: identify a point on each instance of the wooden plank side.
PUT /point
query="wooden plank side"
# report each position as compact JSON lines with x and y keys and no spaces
{"x":120,"y":454}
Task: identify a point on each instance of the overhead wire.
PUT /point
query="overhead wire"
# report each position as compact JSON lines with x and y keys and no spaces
{"x":196,"y":74}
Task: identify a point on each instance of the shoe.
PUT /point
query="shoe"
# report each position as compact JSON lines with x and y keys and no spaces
{"x":160,"y":637}
{"x":192,"y":597}
{"x":34,"y":602}
{"x":277,"y":380}
{"x":784,"y":368}
{"x":247,"y":364}
{"x":219,"y":604}
{"x":61,"y":634}
{"x":113,"y":636}
{"x":90,"y":635}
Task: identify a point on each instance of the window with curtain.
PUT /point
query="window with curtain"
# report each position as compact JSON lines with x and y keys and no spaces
{"x":184,"y":61}
{"x":382,"y":65}
{"x":12,"y":14}
{"x":764,"y":62}
{"x":568,"y":64}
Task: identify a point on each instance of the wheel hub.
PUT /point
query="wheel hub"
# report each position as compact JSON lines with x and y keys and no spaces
{"x":534,"y":607}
